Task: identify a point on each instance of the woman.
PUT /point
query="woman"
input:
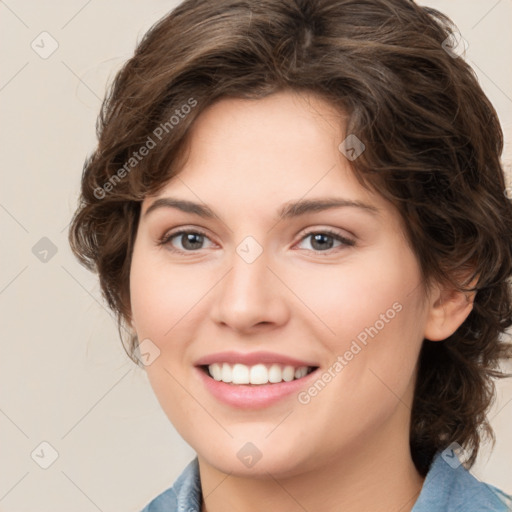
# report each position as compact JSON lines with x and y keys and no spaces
{"x":297,"y":208}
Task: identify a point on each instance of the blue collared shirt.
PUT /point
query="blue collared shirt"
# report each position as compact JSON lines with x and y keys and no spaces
{"x":448,"y":487}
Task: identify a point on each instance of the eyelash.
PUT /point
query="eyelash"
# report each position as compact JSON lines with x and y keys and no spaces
{"x":169,"y":236}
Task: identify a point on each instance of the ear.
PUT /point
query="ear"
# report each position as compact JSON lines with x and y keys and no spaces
{"x":448,"y":308}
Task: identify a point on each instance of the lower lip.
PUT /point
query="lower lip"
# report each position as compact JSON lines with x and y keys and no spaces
{"x":255,"y":396}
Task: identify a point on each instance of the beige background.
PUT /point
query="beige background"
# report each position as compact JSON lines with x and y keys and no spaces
{"x":65,"y":379}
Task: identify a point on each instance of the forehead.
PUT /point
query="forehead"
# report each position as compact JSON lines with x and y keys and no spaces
{"x":266,"y":151}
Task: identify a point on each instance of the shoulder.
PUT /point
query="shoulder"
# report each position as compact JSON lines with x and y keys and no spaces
{"x":450,"y":487}
{"x":185,"y":493}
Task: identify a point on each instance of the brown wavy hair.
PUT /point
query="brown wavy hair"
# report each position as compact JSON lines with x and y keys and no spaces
{"x":433,"y":146}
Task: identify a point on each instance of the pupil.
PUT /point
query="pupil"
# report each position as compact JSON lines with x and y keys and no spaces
{"x":318,"y":237}
{"x":188,"y":238}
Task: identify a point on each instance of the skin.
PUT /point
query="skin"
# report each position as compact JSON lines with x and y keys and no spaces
{"x":348,"y":447}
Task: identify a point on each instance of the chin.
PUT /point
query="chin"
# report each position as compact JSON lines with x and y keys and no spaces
{"x":255,"y":459}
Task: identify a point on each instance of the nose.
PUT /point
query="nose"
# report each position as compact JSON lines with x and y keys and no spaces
{"x":250,"y":297}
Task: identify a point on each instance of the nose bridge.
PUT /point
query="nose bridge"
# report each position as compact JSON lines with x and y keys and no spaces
{"x":249,"y":294}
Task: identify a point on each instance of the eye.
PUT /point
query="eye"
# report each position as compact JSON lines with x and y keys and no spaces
{"x":323,"y":241}
{"x":193,"y":240}
{"x":190,"y":240}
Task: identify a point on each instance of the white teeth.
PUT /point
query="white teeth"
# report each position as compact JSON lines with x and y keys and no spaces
{"x":288,"y":373}
{"x":257,"y":374}
{"x":226,"y":373}
{"x":275,"y":374}
{"x":240,"y":374}
{"x":216,"y":371}
{"x":301,"y":372}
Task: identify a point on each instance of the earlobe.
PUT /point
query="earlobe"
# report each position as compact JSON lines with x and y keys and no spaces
{"x":447,"y":312}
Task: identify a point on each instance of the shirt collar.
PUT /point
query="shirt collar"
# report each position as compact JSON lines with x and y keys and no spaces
{"x":449,"y":486}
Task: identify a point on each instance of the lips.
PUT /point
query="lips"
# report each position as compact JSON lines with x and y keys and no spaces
{"x":248,"y":396}
{"x":253,"y":380}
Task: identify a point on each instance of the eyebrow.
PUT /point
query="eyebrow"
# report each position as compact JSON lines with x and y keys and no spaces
{"x":288,"y":210}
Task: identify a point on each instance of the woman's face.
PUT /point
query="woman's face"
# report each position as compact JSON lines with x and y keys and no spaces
{"x":261,"y":290}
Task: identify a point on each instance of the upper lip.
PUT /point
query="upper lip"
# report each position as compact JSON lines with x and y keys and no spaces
{"x":251,"y":358}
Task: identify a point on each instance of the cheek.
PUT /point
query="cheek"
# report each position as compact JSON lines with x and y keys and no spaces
{"x":161,"y":297}
{"x":162,"y":304}
{"x":369,"y":375}
{"x":370,"y":314}
{"x":375,"y":290}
